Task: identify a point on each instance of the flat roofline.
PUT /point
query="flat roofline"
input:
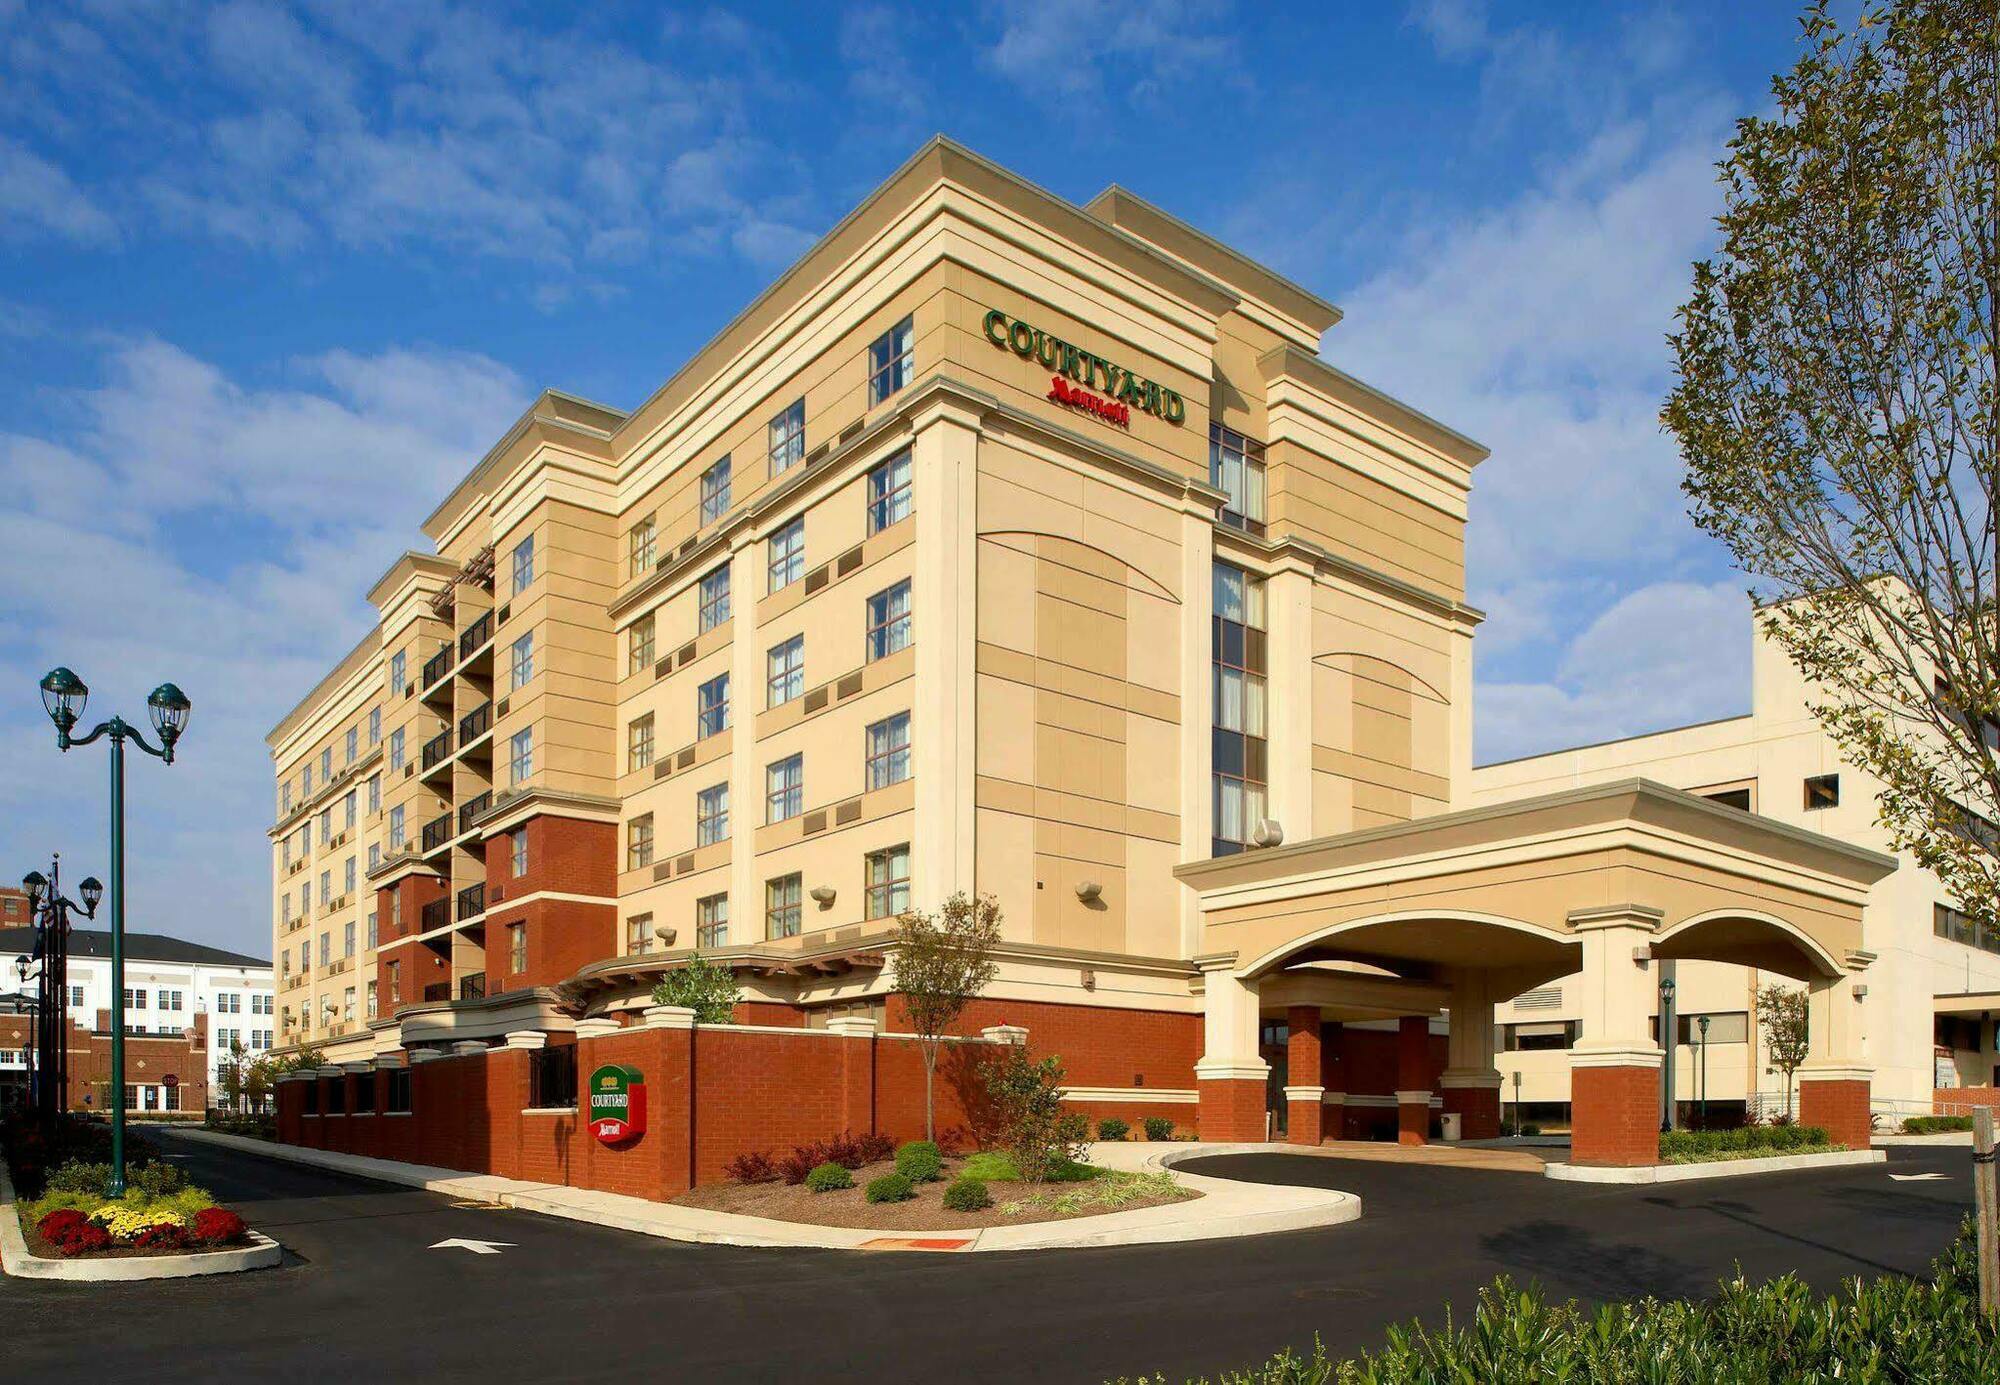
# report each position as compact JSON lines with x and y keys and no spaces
{"x":1615,"y":740}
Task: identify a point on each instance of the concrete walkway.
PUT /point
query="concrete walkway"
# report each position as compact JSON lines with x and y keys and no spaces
{"x":1225,"y":1209}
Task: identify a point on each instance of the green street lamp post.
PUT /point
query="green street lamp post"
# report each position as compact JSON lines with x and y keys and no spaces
{"x":64,"y":694}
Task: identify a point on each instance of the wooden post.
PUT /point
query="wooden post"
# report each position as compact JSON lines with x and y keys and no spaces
{"x":1987,"y":1210}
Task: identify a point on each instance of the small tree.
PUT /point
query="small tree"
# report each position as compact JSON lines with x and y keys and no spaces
{"x":231,"y":1072}
{"x":257,"y":1079}
{"x":1781,"y":1014}
{"x":703,"y":987}
{"x":1027,"y":1103}
{"x":941,"y":963}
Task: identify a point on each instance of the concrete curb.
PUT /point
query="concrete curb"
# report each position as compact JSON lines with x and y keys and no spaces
{"x":1225,"y":1209}
{"x":1725,"y":1168}
{"x":18,"y":1261}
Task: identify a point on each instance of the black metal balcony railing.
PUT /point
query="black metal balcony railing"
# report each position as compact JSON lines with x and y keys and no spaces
{"x":469,"y":811}
{"x":472,"y":987}
{"x":437,"y":747}
{"x":472,"y":901}
{"x":438,"y":991}
{"x":437,"y":831}
{"x":475,"y":634}
{"x":437,"y":666}
{"x":473,"y":724}
{"x":436,"y":914}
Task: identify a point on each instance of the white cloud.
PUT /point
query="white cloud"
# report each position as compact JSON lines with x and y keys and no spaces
{"x":38,"y":198}
{"x":1666,"y":655}
{"x":1087,"y":47}
{"x":180,"y":523}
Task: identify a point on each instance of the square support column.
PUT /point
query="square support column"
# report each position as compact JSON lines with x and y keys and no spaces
{"x":1470,"y":1084}
{"x":1304,"y":1118}
{"x":1333,"y":1080}
{"x":1834,"y":1080}
{"x":1413,"y":1080}
{"x":1614,"y":1070}
{"x":1230,"y":1079}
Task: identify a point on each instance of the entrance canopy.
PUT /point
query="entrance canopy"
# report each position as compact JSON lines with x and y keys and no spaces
{"x":1510,"y":889}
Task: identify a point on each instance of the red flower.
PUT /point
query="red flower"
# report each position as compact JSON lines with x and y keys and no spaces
{"x":218,"y":1226}
{"x":84,"y":1239}
{"x":59,"y":1223}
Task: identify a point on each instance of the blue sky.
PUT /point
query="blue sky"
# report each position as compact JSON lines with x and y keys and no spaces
{"x":272,"y":276}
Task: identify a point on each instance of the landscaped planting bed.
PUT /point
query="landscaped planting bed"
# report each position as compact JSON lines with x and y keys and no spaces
{"x":1746,"y":1142}
{"x":66,"y":1213}
{"x":918,"y":1188}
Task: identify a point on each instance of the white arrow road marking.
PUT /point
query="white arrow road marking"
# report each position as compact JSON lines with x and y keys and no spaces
{"x":476,"y":1247}
{"x":1918,"y":1177}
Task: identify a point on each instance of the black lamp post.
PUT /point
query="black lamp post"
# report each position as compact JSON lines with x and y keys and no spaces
{"x":48,"y":915}
{"x":64,"y":695}
{"x":1668,"y":1041}
{"x":1701,"y":1024}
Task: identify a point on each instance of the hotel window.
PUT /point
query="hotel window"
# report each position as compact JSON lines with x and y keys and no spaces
{"x":325,"y":826}
{"x":889,"y":361}
{"x":524,"y":564}
{"x":788,"y":438}
{"x":888,"y":621}
{"x":399,"y":671}
{"x":711,"y":707}
{"x":325,"y":888}
{"x":1240,"y":747}
{"x":396,"y":910}
{"x":1822,"y":791}
{"x":306,"y":782}
{"x":326,"y":765}
{"x":517,"y":947}
{"x":374,"y":938}
{"x":640,"y":649}
{"x":785,"y":552}
{"x":346,"y":940}
{"x":373,"y":1006}
{"x":784,"y":788}
{"x":1236,"y":468}
{"x":711,"y":815}
{"x":326,"y":949}
{"x":353,"y":746}
{"x":349,"y":806}
{"x":639,"y":742}
{"x":305,"y":898}
{"x":374,"y":794}
{"x":521,"y":662}
{"x":374,"y":726}
{"x":715,"y":492}
{"x":644,"y":545}
{"x":711,"y":921}
{"x":639,"y":843}
{"x":285,"y":797}
{"x":395,"y":827}
{"x":889,"y":751}
{"x":517,"y":852}
{"x":284,"y":908}
{"x":889,"y":493}
{"x":639,"y":933}
{"x":781,"y":907}
{"x":521,"y":755}
{"x":347,"y":876}
{"x":714,"y":599}
{"x":374,"y":856}
{"x":888,"y":882}
{"x":396,"y":750}
{"x":347,"y":1005}
{"x":786,"y":667}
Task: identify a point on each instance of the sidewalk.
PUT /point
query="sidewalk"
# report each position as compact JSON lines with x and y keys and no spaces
{"x":1225,"y":1209}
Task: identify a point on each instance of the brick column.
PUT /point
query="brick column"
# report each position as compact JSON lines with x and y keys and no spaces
{"x":1413,"y":1080}
{"x":1834,"y":1079}
{"x":1304,"y":1114}
{"x":1230,"y":1078}
{"x":1615,"y":1066}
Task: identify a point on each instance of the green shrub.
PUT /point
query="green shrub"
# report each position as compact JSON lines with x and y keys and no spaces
{"x":967,"y":1195}
{"x":890,"y":1187}
{"x":1936,"y":1125}
{"x":1028,"y":1109}
{"x":1111,"y":1128}
{"x":1530,"y":1128}
{"x":1889,"y":1329}
{"x":1159,"y":1129}
{"x":1697,"y":1146}
{"x":79,"y":1177}
{"x":828,"y":1177}
{"x":920,"y":1162}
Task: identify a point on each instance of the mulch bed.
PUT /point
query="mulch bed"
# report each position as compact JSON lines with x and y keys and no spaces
{"x":38,"y":1246}
{"x":924,"y":1212}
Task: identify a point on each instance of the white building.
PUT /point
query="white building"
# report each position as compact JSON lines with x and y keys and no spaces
{"x":168,"y":981}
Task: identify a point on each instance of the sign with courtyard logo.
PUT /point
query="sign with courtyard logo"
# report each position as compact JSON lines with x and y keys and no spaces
{"x":617,"y":1103}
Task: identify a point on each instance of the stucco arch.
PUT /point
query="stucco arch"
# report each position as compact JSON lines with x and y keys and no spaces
{"x":1426,"y":940}
{"x":1747,"y":937}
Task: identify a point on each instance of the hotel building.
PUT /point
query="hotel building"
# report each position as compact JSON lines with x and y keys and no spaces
{"x":1011,"y":546}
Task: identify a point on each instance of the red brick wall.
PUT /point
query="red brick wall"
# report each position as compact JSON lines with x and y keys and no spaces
{"x":565,"y":856}
{"x":422,"y":965}
{"x":1100,"y":1045}
{"x":563,"y":936}
{"x":1231,"y":1110}
{"x":149,"y":1060}
{"x":1959,"y":1101}
{"x":1840,"y":1108}
{"x":1615,"y":1115}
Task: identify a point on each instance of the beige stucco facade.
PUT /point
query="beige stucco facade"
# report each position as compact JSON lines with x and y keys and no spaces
{"x":1763,"y":762}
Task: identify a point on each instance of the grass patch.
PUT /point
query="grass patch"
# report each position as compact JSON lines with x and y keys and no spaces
{"x":1109,"y":1191}
{"x":997,"y":1166}
{"x":1725,"y":1156}
{"x":1936,"y":1125}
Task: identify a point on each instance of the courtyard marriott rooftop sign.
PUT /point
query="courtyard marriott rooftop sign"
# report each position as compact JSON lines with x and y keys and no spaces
{"x":1125,"y":390}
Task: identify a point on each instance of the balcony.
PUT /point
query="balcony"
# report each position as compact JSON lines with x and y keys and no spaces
{"x":436,"y":914}
{"x":437,"y":831}
{"x":437,"y":666}
{"x":472,"y":901}
{"x":475,"y":723}
{"x":436,"y":749}
{"x":472,"y":987}
{"x":469,"y":811}
{"x":475,"y":634}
